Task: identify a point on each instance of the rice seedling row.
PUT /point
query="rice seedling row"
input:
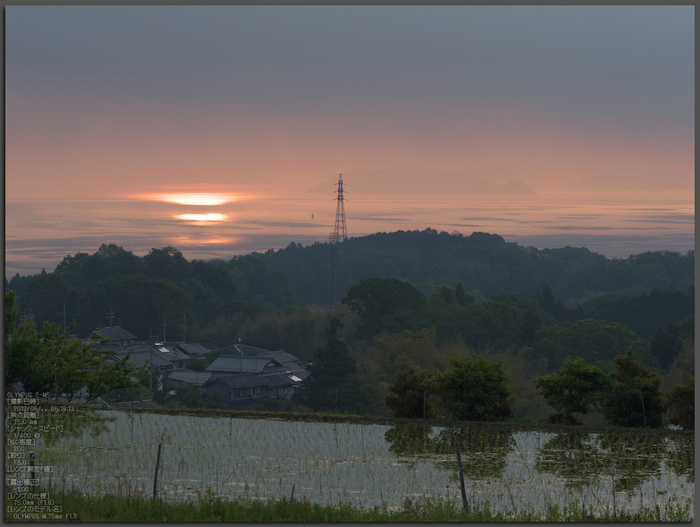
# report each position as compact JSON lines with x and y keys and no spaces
{"x":369,"y":465}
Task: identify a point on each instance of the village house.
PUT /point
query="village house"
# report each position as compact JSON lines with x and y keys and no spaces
{"x":240,"y":375}
{"x":243,"y":390}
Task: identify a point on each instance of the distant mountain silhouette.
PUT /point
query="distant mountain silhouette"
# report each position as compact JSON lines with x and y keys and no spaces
{"x":410,"y":179}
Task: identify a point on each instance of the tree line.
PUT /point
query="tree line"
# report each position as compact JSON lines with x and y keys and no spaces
{"x":643,"y":292}
{"x":478,"y":389}
{"x":390,"y":324}
{"x":483,"y":262}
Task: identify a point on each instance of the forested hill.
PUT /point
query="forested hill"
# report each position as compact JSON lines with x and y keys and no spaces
{"x":644,"y":291}
{"x":482,"y":262}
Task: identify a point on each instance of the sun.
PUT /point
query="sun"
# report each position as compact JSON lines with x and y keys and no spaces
{"x":196,"y":198}
{"x":201,"y":219}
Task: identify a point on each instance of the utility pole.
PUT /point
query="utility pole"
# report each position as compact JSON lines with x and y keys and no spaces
{"x":64,"y":316}
{"x":110,"y":316}
{"x":340,"y":272}
{"x":184,"y":329}
{"x":164,"y":330}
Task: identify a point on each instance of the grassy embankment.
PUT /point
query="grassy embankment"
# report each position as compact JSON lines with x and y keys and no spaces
{"x":208,"y":507}
{"x":390,"y":421}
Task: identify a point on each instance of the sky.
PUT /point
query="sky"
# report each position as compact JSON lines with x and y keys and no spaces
{"x":109,"y":108}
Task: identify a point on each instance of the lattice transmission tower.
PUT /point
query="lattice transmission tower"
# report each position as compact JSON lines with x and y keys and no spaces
{"x":340,"y":271}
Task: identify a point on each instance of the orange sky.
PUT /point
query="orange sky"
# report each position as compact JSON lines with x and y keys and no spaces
{"x":273,"y":101}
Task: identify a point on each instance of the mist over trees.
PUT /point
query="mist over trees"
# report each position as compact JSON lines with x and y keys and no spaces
{"x":419,"y":300}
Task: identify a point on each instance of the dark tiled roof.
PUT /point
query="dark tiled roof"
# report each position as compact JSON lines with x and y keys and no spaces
{"x":233,"y":363}
{"x":281,"y":356}
{"x":229,"y":350}
{"x":139,"y":357}
{"x":301,"y":374}
{"x":198,"y":378}
{"x":251,"y":350}
{"x":291,"y":366}
{"x":170,"y":352}
{"x":193,"y":349}
{"x":115,"y":334}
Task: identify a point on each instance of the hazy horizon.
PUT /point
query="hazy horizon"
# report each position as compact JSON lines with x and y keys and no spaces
{"x":110,"y":108}
{"x":258,"y":222}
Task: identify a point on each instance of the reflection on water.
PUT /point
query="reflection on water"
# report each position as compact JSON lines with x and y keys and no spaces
{"x":681,"y":456}
{"x":484,"y":451}
{"x":583,"y":459}
{"x":366,"y":465}
{"x":634,"y":457}
{"x":580,"y":459}
{"x":572,"y":456}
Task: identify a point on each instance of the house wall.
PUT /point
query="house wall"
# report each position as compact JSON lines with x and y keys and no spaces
{"x":242,"y":396}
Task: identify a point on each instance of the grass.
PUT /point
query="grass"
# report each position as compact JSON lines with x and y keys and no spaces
{"x":208,"y":507}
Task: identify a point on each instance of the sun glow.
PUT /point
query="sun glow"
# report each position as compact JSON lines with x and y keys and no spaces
{"x":202,"y":218}
{"x":188,"y":241}
{"x":196,"y":198}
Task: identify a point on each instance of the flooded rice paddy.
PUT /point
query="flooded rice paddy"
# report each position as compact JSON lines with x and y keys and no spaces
{"x":366,"y":465}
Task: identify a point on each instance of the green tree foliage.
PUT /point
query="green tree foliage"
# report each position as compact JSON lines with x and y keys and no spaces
{"x":382,"y":303}
{"x":576,"y":387}
{"x":668,"y":341}
{"x":45,"y":296}
{"x":529,"y":326}
{"x":19,"y":283}
{"x":683,"y":365}
{"x":680,"y":405}
{"x":635,"y":398}
{"x":259,"y":280}
{"x":522,"y":369}
{"x":140,"y":302}
{"x":202,"y":291}
{"x":332,"y":377}
{"x":597,"y":342}
{"x":84,"y":270}
{"x":483,"y":262}
{"x":297,"y":330}
{"x":136,"y":392}
{"x":410,"y":397}
{"x":399,"y":351}
{"x":488,"y":324}
{"x":189,"y":396}
{"x":460,"y":295}
{"x":475,"y":390}
{"x":166,"y":264}
{"x":21,"y":343}
{"x":213,"y":289}
{"x":645,"y":312}
{"x":444,"y":294}
{"x":52,"y":362}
